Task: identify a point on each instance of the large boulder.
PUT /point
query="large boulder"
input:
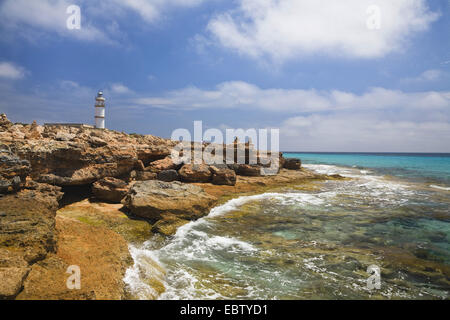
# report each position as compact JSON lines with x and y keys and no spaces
{"x":155,"y":199}
{"x":293,"y":164}
{"x":222,"y":176}
{"x":110,"y":189}
{"x":195,"y":173}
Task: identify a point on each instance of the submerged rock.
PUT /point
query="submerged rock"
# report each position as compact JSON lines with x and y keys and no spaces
{"x":154,"y":199}
{"x":168,"y":226}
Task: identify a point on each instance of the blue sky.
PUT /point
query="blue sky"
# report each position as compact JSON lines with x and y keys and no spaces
{"x":313,"y":69}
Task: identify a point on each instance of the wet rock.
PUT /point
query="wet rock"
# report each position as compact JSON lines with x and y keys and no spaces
{"x":110,"y":189}
{"x":154,"y":199}
{"x":223,"y":176}
{"x":293,"y":164}
{"x":168,"y":226}
{"x":195,"y":173}
{"x":168,"y":175}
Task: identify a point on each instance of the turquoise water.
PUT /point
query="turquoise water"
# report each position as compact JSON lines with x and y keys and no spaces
{"x":420,"y":167}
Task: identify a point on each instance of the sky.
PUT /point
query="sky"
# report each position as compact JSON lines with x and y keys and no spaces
{"x":345,"y":76}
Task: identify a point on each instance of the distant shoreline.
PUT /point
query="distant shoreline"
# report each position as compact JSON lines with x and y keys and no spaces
{"x":423,"y":154}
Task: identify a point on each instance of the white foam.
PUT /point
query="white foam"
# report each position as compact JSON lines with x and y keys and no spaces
{"x":143,"y":268}
{"x":439,"y":187}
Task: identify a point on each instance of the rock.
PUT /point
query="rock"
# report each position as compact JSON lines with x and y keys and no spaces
{"x":223,"y":176}
{"x":34,"y":132}
{"x":195,"y":173}
{"x":249,"y":170}
{"x":96,"y":142}
{"x":154,"y":199}
{"x":13,"y":271}
{"x":293,"y":164}
{"x":101,"y":254}
{"x":110,"y":189}
{"x":168,"y":226}
{"x":71,"y":156}
{"x":11,"y":281}
{"x":5,"y":124}
{"x":168,"y":175}
{"x":63,"y":136}
{"x":139,"y":166}
{"x":13,"y":170}
{"x":144,"y":176}
{"x":27,"y":233}
{"x":161,"y":165}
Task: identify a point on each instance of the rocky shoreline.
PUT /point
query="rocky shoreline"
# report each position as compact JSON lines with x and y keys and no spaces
{"x":79,"y":196}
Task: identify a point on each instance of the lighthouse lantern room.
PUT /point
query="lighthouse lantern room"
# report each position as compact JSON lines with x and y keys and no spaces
{"x":100,"y":111}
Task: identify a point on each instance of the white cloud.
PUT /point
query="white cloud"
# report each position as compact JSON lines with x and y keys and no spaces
{"x":46,"y":16}
{"x":426,"y":76}
{"x":287,"y":29}
{"x":11,"y":71}
{"x":31,"y":19}
{"x":151,"y":10}
{"x":238,"y":94}
{"x":119,"y":88}
{"x":363,"y":132}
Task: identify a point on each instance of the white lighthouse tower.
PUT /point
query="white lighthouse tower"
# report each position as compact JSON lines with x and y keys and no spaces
{"x":100,"y":111}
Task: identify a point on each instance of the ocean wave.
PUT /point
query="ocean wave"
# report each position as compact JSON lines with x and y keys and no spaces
{"x":439,"y":187}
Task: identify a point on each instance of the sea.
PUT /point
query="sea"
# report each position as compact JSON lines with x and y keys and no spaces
{"x":382,"y":232}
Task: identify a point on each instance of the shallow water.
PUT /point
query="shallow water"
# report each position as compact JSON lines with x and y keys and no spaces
{"x":309,"y":244}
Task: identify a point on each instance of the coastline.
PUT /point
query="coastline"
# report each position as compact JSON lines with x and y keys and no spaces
{"x":62,"y":188}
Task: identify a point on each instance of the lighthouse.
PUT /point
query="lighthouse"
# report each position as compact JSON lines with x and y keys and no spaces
{"x":100,"y":111}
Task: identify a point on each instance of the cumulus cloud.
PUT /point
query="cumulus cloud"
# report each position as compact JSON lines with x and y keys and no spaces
{"x":379,"y":119}
{"x":239,"y":94}
{"x":287,"y":29}
{"x":9,"y":70}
